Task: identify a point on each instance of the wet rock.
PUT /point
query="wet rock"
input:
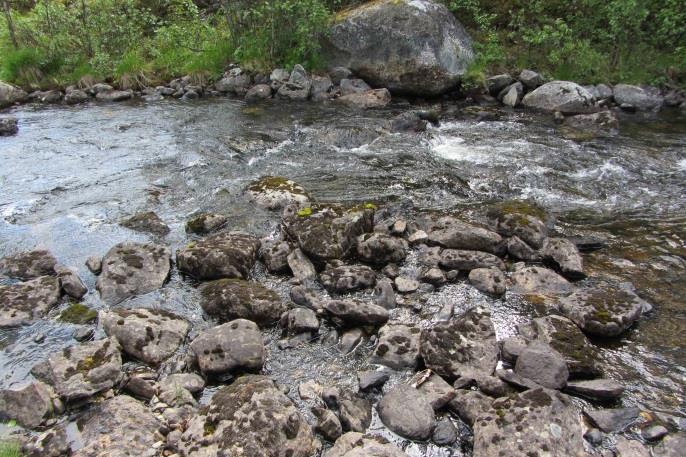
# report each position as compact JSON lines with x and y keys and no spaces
{"x":328,"y":232}
{"x":379,"y":248}
{"x":258,"y":92}
{"x":321,"y":88}
{"x":464,"y":347}
{"x":512,"y":95}
{"x":444,"y":433}
{"x":437,"y":392}
{"x":531,"y":79}
{"x":564,"y":96}
{"x":205,"y":223}
{"x":297,"y":87}
{"x":79,"y":372}
{"x":603,"y":310}
{"x":71,"y":283}
{"x":495,"y":84}
{"x":565,"y":337}
{"x":596,"y":389}
{"x":236,"y":345}
{"x":654,"y":432}
{"x":328,"y":423}
{"x":543,"y":365}
{"x":308,"y":297}
{"x":434,"y":276}
{"x":372,"y":378}
{"x":275,"y":192}
{"x":565,"y":256}
{"x":234,"y":81}
{"x":10,"y":94}
{"x":29,"y":406}
{"x":538,"y":280}
{"x":384,"y":295}
{"x":528,"y":228}
{"x":148,"y":222}
{"x":274,"y":254}
{"x":301,"y":266}
{"x":23,"y":303}
{"x":83,"y":334}
{"x":671,"y":446}
{"x":613,"y":420}
{"x":94,"y":264}
{"x":150,"y":335}
{"x":451,"y":233}
{"x":28,"y":264}
{"x":353,"y":86}
{"x":348,"y":278}
{"x":78,"y":313}
{"x":352,"y":312}
{"x":406,"y":285}
{"x":278,"y":77}
{"x":409,"y":121}
{"x":355,"y":414}
{"x":130,"y":269}
{"x":488,"y":280}
{"x":546,"y":419}
{"x":406,"y":411}
{"x":224,"y":255}
{"x":594,"y":436}
{"x":142,"y":386}
{"x":519,"y":250}
{"x":76,"y":96}
{"x":350,"y":339}
{"x":353,"y":444}
{"x":604,"y":122}
{"x":338,"y":74}
{"x":398,"y":347}
{"x":469,"y":404}
{"x":8,"y":126}
{"x":376,"y":98}
{"x":415,"y":47}
{"x":630,"y":448}
{"x":119,"y":426}
{"x":299,"y":320}
{"x":637,"y":97}
{"x":114,"y":95}
{"x":455,"y":259}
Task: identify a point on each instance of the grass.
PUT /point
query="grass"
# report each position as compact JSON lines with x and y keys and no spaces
{"x":9,"y":449}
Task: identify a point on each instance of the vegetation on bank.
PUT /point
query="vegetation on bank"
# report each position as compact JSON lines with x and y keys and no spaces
{"x":134,"y":43}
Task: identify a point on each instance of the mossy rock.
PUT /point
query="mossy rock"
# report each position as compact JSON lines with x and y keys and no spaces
{"x":78,"y":313}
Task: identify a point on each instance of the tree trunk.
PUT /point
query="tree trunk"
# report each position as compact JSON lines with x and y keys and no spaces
{"x":10,"y":24}
{"x":86,"y":30}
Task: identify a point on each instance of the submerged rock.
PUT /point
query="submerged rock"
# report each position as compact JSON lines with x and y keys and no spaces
{"x":250,"y":417}
{"x":150,"y":335}
{"x":353,"y":444}
{"x":130,"y":269}
{"x":464,"y":347}
{"x":397,"y":347}
{"x":528,"y":423}
{"x":8,"y":125}
{"x":23,"y":303}
{"x":415,"y":47}
{"x":275,"y":192}
{"x":148,"y":222}
{"x":564,"y":96}
{"x":236,"y":345}
{"x":407,"y":412}
{"x":230,"y":299}
{"x":28,"y":264}
{"x":79,"y":372}
{"x":224,"y":255}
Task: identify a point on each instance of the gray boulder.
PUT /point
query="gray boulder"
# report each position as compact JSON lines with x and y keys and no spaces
{"x":356,"y":312}
{"x":517,"y":249}
{"x":488,"y":280}
{"x":377,"y":98}
{"x":452,"y":233}
{"x":234,"y":82}
{"x":224,"y":255}
{"x":130,"y":269}
{"x":75,"y":96}
{"x":596,"y":389}
{"x":8,"y":125}
{"x":495,"y":84}
{"x":531,"y":79}
{"x":563,"y":96}
{"x":328,"y":232}
{"x":461,"y":348}
{"x":672,"y":445}
{"x":328,"y":423}
{"x":469,"y":404}
{"x":148,"y":222}
{"x":380,"y":248}
{"x":79,"y":372}
{"x":348,"y":278}
{"x":150,"y":335}
{"x":543,"y":365}
{"x":300,"y":320}
{"x":565,"y":256}
{"x":71,"y":283}
{"x":526,"y":227}
{"x":603,"y":122}
{"x":274,"y":254}
{"x":456,"y":259}
{"x":28,"y":264}
{"x":436,"y":390}
{"x":538,"y":280}
{"x":278,"y":77}
{"x":355,"y":414}
{"x":258,"y":92}
{"x":23,"y":303}
{"x":512,"y":95}
{"x":9,"y":95}
{"x":353,"y":86}
{"x":275,"y":192}
{"x":613,"y":420}
{"x":229,"y":299}
{"x":321,"y":88}
{"x":236,"y":345}
{"x":397,"y":347}
{"x":205,"y":223}
{"x":637,"y":97}
{"x":353,"y":444}
{"x":29,"y":406}
{"x":409,"y":46}
{"x":407,"y":412}
{"x":527,"y":423}
{"x":114,"y":95}
{"x":338,"y":74}
{"x":297,"y":87}
{"x":301,"y":266}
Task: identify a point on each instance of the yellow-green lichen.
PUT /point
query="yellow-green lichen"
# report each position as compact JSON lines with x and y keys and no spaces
{"x":78,"y":313}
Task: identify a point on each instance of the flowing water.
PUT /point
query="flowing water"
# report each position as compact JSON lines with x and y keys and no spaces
{"x":71,"y":174}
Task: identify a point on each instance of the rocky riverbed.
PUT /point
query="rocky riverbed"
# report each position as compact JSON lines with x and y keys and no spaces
{"x":216,"y":278}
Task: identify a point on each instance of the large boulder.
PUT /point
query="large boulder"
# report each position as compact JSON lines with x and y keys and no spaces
{"x":354,"y":444}
{"x":380,"y":248}
{"x":236,"y":345}
{"x":564,"y":256}
{"x":150,"y":335}
{"x":275,"y":192}
{"x":458,"y":259}
{"x":120,"y":426}
{"x":564,"y":96}
{"x":538,"y":280}
{"x":251,"y":417}
{"x":328,"y":232}
{"x":130,"y":269}
{"x":297,"y":87}
{"x":376,"y":98}
{"x":29,"y":406}
{"x":637,"y":97}
{"x":410,"y":46}
{"x":543,"y":365}
{"x":452,"y":233}
{"x":9,"y":95}
{"x":79,"y":372}
{"x":348,"y":278}
{"x":224,"y":255}
{"x":407,"y":412}
{"x":355,"y":312}
{"x":22,"y":303}
{"x":464,"y":347}
{"x":230,"y":299}
{"x":528,"y":423}
{"x":28,"y":264}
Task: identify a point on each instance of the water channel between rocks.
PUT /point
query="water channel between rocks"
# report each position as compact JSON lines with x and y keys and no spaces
{"x":71,"y":174}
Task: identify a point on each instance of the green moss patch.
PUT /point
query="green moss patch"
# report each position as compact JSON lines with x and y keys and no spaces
{"x":78,"y":313}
